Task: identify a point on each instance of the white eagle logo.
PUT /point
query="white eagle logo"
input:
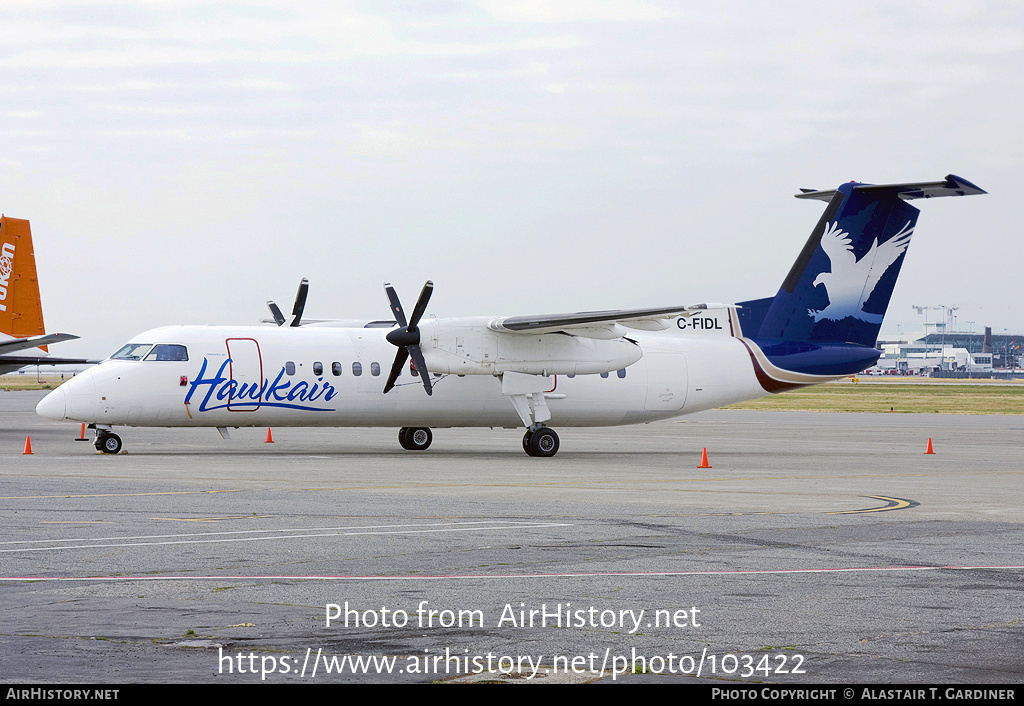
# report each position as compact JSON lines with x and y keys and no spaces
{"x":851,"y":281}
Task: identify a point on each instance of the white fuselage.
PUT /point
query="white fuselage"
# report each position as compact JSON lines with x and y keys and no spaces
{"x":307,"y":376}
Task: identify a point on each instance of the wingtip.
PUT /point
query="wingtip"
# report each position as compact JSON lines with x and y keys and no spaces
{"x":958,"y":182}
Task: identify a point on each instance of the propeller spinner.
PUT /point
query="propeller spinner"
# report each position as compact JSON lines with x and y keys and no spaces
{"x":407,"y":336}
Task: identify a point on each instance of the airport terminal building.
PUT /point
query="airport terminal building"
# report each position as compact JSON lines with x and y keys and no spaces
{"x":952,"y":354}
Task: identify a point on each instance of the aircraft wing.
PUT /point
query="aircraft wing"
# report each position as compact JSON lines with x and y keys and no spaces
{"x":304,"y":322}
{"x":10,"y":363}
{"x":20,"y":344}
{"x":595,"y":324}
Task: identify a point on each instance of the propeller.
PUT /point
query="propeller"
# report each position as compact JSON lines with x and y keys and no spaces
{"x":297,"y":308}
{"x":407,"y":336}
{"x":275,"y":310}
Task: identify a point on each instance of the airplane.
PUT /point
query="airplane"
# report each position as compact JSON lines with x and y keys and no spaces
{"x":21,"y":310}
{"x":583,"y":369}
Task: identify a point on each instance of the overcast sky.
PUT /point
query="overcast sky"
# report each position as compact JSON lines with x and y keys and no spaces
{"x":182,"y":162}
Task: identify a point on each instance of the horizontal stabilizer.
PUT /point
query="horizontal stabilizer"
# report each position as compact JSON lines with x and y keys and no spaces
{"x":20,"y":344}
{"x":952,"y":186}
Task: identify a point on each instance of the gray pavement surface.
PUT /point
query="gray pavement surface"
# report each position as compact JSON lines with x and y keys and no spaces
{"x":819,"y":548}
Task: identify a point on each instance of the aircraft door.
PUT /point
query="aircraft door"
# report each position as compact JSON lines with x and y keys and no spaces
{"x":246,"y":369}
{"x":666,"y":382}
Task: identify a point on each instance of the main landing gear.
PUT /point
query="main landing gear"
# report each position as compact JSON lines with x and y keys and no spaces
{"x":415,"y":438}
{"x":542,"y":442}
{"x":108,"y":442}
{"x":526,"y":393}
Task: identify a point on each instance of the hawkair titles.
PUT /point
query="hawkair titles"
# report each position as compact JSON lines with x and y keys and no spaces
{"x":223,"y":393}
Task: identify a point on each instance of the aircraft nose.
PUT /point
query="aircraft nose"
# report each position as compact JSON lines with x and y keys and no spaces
{"x":53,"y":406}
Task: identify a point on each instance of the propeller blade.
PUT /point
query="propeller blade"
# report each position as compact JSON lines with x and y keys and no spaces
{"x":396,"y":369}
{"x":406,"y":337}
{"x":421,"y":367}
{"x":275,"y":310}
{"x":421,"y":304}
{"x":396,"y":306}
{"x":300,"y":301}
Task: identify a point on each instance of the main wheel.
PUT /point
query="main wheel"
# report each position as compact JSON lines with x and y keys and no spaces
{"x":109,"y":444}
{"x":526,"y":441}
{"x":415,"y":438}
{"x":543,"y":443}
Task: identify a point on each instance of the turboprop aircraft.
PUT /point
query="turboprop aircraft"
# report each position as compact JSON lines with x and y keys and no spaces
{"x":21,"y":310}
{"x":597,"y":368}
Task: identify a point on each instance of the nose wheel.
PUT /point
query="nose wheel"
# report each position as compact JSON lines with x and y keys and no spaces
{"x":108,"y":443}
{"x":542,"y":442}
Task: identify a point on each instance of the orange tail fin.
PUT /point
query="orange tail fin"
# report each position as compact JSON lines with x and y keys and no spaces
{"x":21,"y":311}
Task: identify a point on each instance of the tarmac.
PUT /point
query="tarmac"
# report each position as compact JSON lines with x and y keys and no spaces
{"x":817,"y":549}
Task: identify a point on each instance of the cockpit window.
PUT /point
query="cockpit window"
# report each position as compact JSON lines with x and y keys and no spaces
{"x":168,"y":351}
{"x":132,"y":351}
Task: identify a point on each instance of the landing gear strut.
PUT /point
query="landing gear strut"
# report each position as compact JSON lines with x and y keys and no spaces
{"x":415,"y":438}
{"x":542,"y":442}
{"x":108,"y":442}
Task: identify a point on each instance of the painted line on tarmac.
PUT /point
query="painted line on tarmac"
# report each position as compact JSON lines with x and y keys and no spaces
{"x":68,"y":496}
{"x":891,"y":504}
{"x":269,"y":535}
{"x":505,"y":577}
{"x":590,"y":484}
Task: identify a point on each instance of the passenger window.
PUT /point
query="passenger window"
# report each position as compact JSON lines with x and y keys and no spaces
{"x":336,"y":368}
{"x":167,"y":351}
{"x":289,"y":367}
{"x":604,"y":375}
{"x":621,"y":372}
{"x":571,"y":375}
{"x":318,"y":368}
{"x":374,"y":369}
{"x":357,"y":368}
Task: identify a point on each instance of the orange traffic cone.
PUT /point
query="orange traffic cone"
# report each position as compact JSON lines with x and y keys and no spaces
{"x":270,"y":438}
{"x":81,"y":436}
{"x":28,"y":446}
{"x":929,"y":451}
{"x":704,"y":459}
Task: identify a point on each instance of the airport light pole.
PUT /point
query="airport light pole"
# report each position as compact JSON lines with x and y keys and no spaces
{"x":924,"y":310}
{"x":942,"y":340}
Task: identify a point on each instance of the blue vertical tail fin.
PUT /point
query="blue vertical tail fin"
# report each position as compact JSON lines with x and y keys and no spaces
{"x":839,"y":287}
{"x":824,"y":322}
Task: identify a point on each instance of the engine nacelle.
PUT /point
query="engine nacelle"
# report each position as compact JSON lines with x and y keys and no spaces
{"x":473,"y":349}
